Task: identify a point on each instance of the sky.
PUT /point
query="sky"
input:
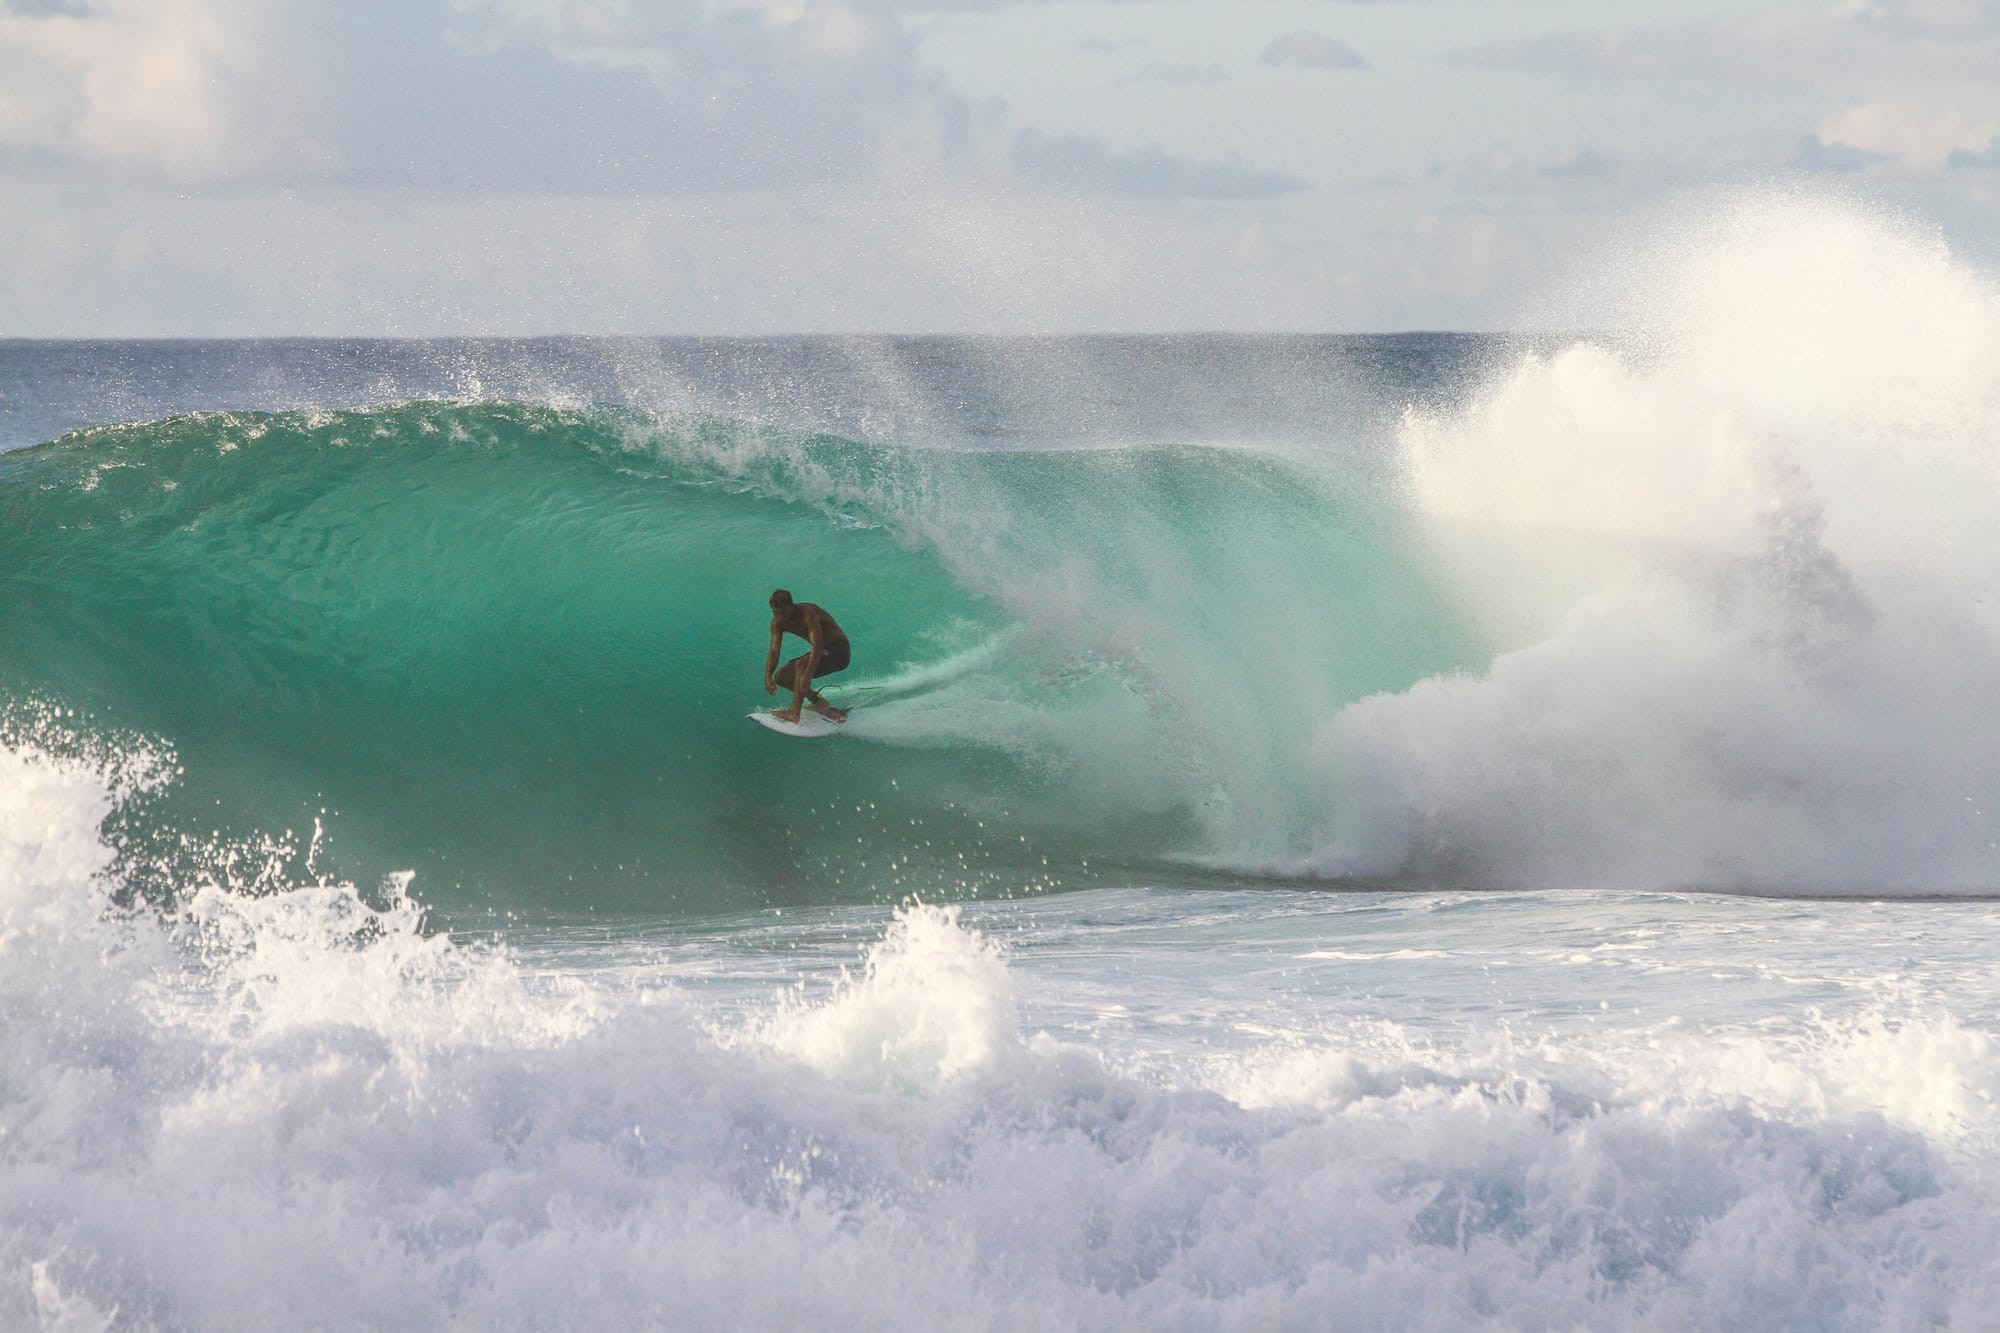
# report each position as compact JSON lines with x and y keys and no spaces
{"x":519,"y":167}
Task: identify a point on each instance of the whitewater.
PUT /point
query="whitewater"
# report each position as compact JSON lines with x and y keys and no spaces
{"x":1431,"y":831}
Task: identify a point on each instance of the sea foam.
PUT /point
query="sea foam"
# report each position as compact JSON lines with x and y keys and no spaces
{"x":1739,"y":572}
{"x":299,"y":1108}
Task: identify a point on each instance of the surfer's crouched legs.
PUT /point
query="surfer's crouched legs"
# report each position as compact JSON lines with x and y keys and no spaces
{"x":787,"y":677}
{"x":834,"y":657}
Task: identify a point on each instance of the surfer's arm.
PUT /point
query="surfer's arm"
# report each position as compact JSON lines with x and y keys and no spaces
{"x":771,"y":659}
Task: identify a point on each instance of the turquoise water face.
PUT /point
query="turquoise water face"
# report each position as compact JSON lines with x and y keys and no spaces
{"x":510,"y":649}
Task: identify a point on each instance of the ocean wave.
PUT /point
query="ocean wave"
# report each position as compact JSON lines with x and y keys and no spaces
{"x":511,"y":647}
{"x":1706,"y":606}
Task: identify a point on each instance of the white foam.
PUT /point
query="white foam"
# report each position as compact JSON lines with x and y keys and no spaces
{"x":932,"y":1005}
{"x":297,"y":1109}
{"x":1363,"y":956}
{"x":1743,"y":583}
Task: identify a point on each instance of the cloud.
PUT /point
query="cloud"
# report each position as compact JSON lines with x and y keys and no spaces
{"x":1905,"y":84}
{"x":1314,"y":50}
{"x":1714,"y":51}
{"x":1589,"y":164}
{"x":1072,"y":163}
{"x":1099,"y":45}
{"x":1816,"y":154}
{"x":1915,"y":136}
{"x":1163,"y":72}
{"x":599,"y":97}
{"x":961,"y":6}
{"x":1588,"y":176}
{"x":1835,"y":48}
{"x":1935,"y":20}
{"x":172,"y":87}
{"x":426,"y":94}
{"x":1986,"y":159}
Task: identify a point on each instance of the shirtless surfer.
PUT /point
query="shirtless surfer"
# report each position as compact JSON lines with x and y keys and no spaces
{"x":829,"y":654}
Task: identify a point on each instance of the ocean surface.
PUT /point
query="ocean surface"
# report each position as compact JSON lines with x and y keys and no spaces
{"x":1396,"y":832}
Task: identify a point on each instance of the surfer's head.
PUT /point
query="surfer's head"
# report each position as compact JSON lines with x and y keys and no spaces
{"x":780,"y":600}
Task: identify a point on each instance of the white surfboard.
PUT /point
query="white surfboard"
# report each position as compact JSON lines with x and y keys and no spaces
{"x":809,"y":724}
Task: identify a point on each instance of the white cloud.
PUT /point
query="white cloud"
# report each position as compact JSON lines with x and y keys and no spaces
{"x":1901,"y":84}
{"x":1941,"y":20}
{"x":1315,"y":50}
{"x":420,"y":94}
{"x":829,"y":30}
{"x":1161,"y":71}
{"x":1816,"y":154}
{"x":174,"y":88}
{"x":1083,"y":164}
{"x":644,"y":97}
{"x":1099,"y":45}
{"x":1919,"y":137}
{"x":1837,"y":49}
{"x":1585,"y":177}
{"x":422,"y":166}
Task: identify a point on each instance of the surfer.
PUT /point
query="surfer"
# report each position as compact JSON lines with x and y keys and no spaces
{"x":828,"y":654}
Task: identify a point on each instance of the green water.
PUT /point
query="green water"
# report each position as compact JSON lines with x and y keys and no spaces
{"x":511,"y":648}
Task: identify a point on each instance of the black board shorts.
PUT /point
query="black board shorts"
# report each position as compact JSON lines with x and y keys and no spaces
{"x":834,"y":657}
